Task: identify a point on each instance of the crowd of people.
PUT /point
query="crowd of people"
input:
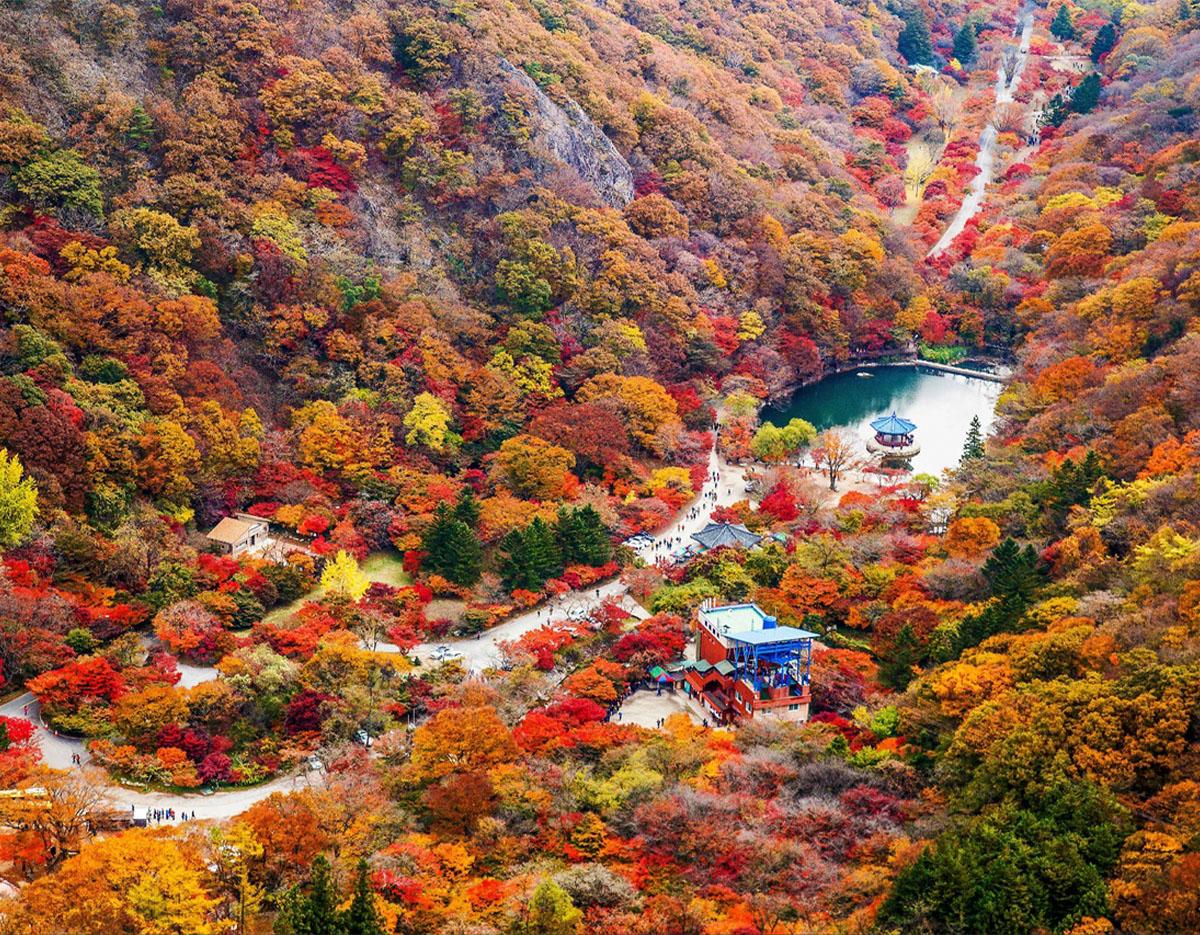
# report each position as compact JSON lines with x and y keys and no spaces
{"x":156,"y":815}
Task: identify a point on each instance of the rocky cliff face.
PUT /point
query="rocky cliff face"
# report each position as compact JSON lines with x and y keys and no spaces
{"x":565,"y":135}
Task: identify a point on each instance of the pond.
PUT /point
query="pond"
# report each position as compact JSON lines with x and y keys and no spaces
{"x":941,"y":404}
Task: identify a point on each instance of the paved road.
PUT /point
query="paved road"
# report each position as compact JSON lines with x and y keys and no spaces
{"x":724,"y":483}
{"x":224,"y":804}
{"x":482,"y":652}
{"x":727,"y":489}
{"x":985,"y":160}
{"x":56,"y":749}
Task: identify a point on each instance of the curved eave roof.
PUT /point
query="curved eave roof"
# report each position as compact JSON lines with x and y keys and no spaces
{"x":725,"y":534}
{"x":893,"y":425}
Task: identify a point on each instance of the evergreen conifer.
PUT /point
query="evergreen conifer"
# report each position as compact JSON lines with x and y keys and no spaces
{"x":1062,"y":27}
{"x":314,"y":912}
{"x":896,"y":670}
{"x":582,"y":537}
{"x":1106,"y":38}
{"x":914,"y":42}
{"x":465,"y":560}
{"x":453,"y":549}
{"x":965,"y":47}
{"x":362,"y":917}
{"x":466,"y":509}
{"x":1086,"y":95}
{"x":531,"y":556}
{"x":973,"y":446}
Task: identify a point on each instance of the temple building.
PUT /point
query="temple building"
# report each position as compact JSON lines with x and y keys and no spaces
{"x":893,"y":438}
{"x":716,"y":535}
{"x":747,"y":665}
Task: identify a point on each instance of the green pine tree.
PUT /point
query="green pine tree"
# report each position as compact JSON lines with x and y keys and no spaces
{"x":515,"y":569}
{"x":453,"y":549}
{"x":313,"y":912}
{"x":531,"y":556}
{"x":975,"y":628}
{"x":1106,"y":38}
{"x":1012,"y":572}
{"x":466,"y":509}
{"x":1086,"y":95}
{"x":1091,"y":470}
{"x":465,"y":562}
{"x":973,"y":447}
{"x":362,"y":916}
{"x":992,"y":873}
{"x":896,"y":670}
{"x":1013,"y":577}
{"x":140,"y":131}
{"x":1054,"y":113}
{"x":436,"y":538}
{"x":582,"y":538}
{"x":566,"y":529}
{"x":914,"y":42}
{"x":321,"y":913}
{"x":965,"y":48}
{"x":1062,"y":28}
{"x":542,"y":547}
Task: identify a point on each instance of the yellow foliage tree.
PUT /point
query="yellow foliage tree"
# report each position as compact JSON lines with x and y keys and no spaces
{"x":750,"y":326}
{"x":428,"y":423}
{"x":342,"y":576}
{"x":141,"y":881}
{"x":18,"y":501}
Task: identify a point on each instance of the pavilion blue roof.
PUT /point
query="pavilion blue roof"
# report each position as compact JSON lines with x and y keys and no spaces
{"x":893,"y":425}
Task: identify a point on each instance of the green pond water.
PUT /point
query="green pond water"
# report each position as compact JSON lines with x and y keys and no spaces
{"x":941,"y":404}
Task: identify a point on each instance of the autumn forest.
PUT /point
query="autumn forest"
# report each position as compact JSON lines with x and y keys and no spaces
{"x":396,"y":534}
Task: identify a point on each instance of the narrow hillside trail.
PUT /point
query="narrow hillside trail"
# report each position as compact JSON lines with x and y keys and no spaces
{"x":722,"y":487}
{"x":985,"y":160}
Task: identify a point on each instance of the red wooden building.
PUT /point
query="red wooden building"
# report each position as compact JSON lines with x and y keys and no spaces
{"x":748,"y":665}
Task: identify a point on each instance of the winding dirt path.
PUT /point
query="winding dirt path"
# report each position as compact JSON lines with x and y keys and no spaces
{"x":985,"y":160}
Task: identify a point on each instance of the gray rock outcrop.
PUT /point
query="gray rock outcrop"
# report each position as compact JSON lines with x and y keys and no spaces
{"x":564,"y":134}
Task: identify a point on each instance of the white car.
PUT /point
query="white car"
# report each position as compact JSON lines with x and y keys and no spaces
{"x":444,"y":654}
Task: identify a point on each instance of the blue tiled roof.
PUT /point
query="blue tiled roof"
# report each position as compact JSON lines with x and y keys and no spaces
{"x":772,"y":635}
{"x":893,"y":425}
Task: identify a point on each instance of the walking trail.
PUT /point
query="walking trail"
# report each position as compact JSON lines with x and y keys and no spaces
{"x":725,"y":485}
{"x":985,"y":161}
